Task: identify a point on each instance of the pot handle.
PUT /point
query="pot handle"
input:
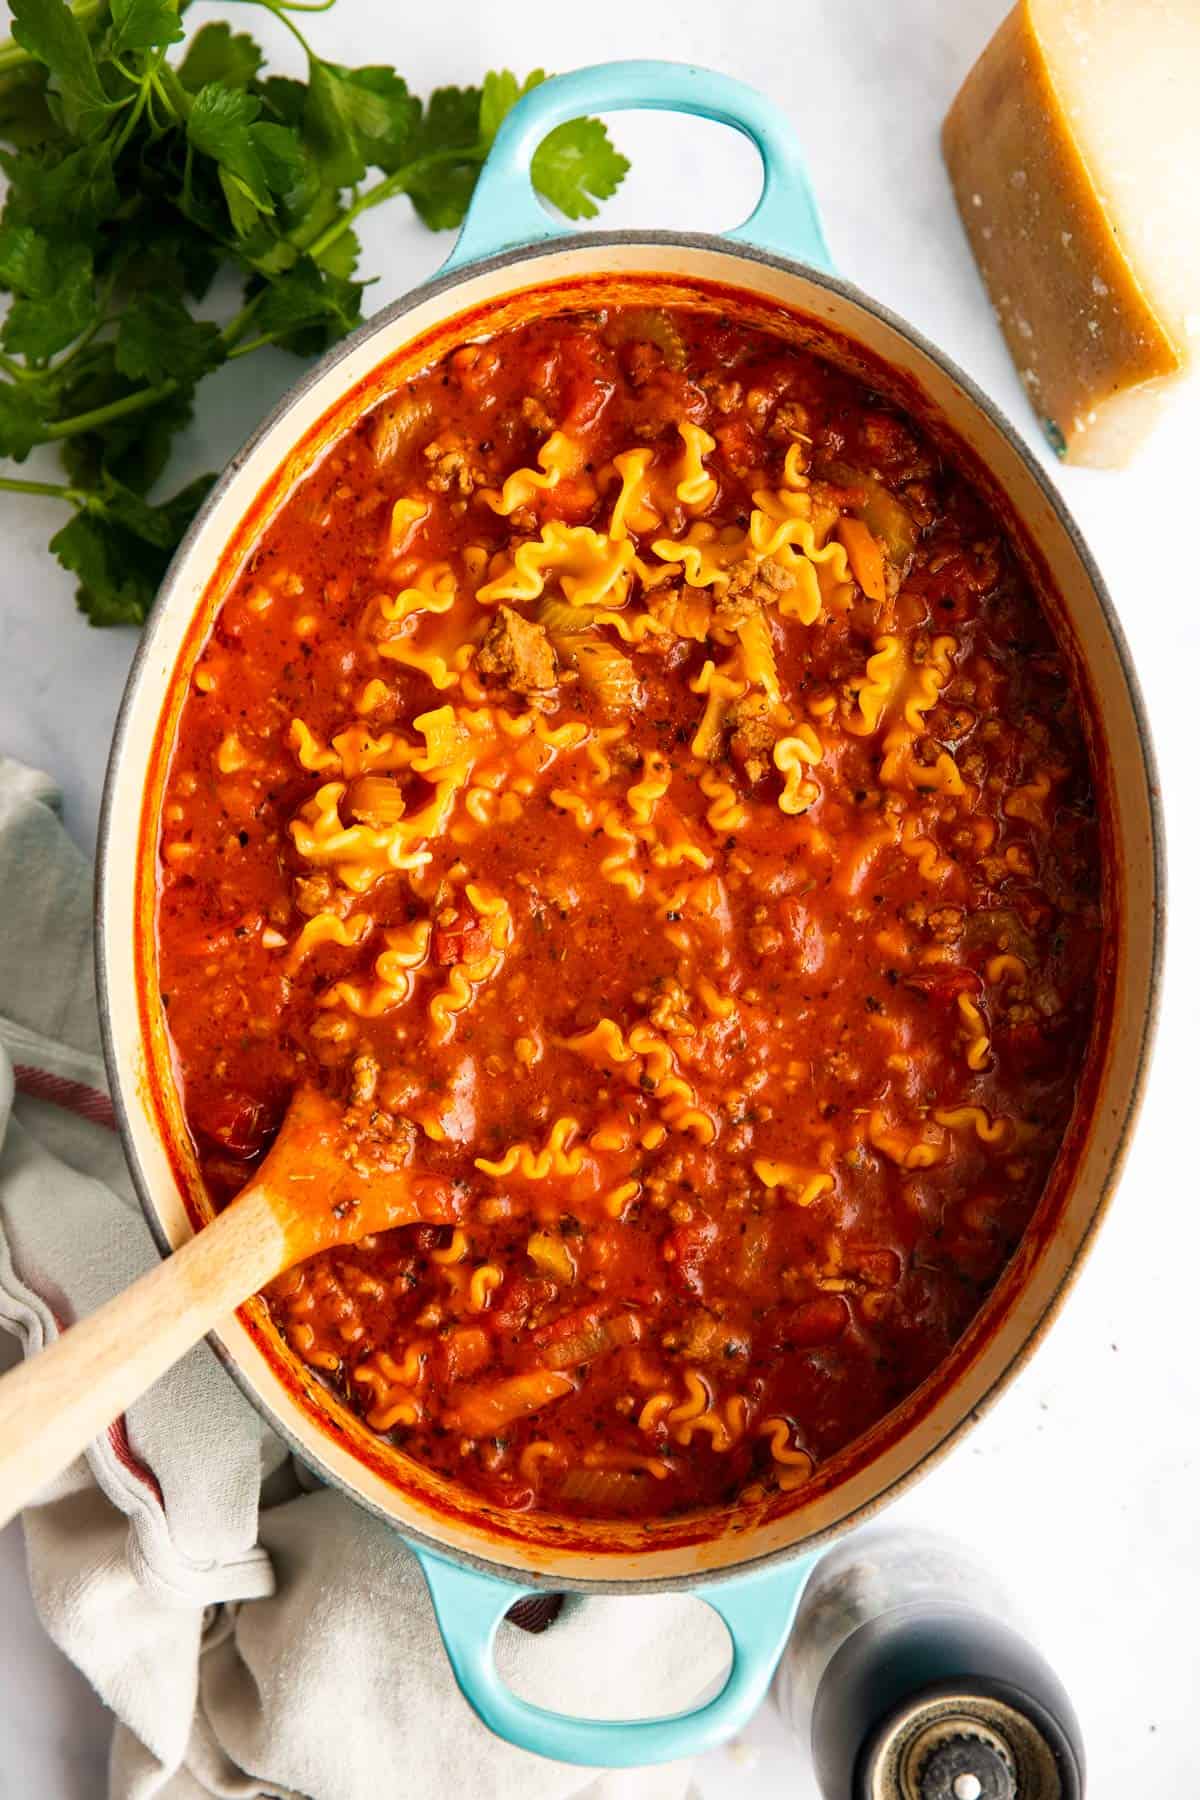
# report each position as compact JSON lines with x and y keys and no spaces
{"x":506,"y":213}
{"x":758,"y":1610}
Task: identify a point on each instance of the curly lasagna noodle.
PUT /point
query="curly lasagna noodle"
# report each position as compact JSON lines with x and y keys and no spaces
{"x":633,"y":763}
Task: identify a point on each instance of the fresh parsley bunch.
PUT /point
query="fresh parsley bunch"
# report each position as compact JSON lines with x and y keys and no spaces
{"x":135,"y":173}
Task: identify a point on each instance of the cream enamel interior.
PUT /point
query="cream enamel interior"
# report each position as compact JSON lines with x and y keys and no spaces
{"x":1023,"y":1302}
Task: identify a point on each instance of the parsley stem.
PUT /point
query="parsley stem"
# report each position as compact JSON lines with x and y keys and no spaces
{"x":54,"y":490}
{"x":258,"y":343}
{"x":281,"y":13}
{"x":397,"y":182}
{"x":240,"y":320}
{"x":131,"y":122}
{"x":84,"y":339}
{"x":172,"y":93}
{"x":116,"y":409}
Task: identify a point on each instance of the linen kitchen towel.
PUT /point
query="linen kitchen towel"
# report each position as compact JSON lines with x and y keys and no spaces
{"x":253,"y":1633}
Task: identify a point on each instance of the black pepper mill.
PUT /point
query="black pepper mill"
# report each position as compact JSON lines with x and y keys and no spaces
{"x":910,"y":1681}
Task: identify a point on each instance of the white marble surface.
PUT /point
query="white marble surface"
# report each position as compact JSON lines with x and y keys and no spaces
{"x":1081,"y":1485}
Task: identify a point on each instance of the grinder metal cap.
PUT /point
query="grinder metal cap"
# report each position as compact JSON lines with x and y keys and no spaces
{"x":961,"y":1746}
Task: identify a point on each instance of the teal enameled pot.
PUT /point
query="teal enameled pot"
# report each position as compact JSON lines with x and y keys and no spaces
{"x":750,"y":1565}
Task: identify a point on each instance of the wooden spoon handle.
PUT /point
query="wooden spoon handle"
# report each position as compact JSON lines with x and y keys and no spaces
{"x":53,"y":1405}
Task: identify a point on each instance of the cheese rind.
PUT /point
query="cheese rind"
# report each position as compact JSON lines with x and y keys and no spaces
{"x":1093,"y":304}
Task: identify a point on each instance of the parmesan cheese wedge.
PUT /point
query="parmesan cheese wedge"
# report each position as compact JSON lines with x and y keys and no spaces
{"x":1074,"y":151}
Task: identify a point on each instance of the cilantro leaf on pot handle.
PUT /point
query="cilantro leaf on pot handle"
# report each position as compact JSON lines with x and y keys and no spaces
{"x":136,"y":172}
{"x":506,"y":212}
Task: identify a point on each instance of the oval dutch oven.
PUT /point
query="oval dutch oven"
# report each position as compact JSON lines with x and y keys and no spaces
{"x":510,"y":261}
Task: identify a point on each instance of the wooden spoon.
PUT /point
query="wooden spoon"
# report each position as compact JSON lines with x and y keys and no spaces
{"x":325,"y":1182}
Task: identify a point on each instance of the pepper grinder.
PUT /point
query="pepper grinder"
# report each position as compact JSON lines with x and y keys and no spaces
{"x":910,"y":1676}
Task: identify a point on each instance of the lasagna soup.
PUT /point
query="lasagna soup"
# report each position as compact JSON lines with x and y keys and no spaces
{"x":633,"y":773}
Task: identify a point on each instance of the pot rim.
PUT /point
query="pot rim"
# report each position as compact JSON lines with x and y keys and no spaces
{"x":444,"y":283}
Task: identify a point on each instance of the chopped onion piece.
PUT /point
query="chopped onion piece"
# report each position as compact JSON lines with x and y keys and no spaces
{"x":594,"y":1340}
{"x":609,"y":1490}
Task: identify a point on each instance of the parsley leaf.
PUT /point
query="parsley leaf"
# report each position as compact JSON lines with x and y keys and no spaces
{"x":501,"y":91}
{"x":134,"y":449}
{"x":442,"y":198}
{"x":450,"y":120}
{"x":386,"y":116}
{"x":24,"y":259}
{"x":25,"y":116}
{"x":281,"y":154}
{"x":283,"y":96}
{"x":450,"y":123}
{"x":576,"y":166}
{"x":51,"y":33}
{"x":341,"y":258}
{"x":56,"y":293}
{"x":160,"y":252}
{"x":219,"y":124}
{"x":356,"y":118}
{"x":309,"y":308}
{"x":255,"y":160}
{"x":573,"y":167}
{"x":22,"y":420}
{"x":331,"y":126}
{"x":218,"y":54}
{"x":144,"y":25}
{"x":158,"y":526}
{"x":119,"y":547}
{"x":69,"y":196}
{"x":158,"y":340}
{"x":133,"y":182}
{"x":57,"y":299}
{"x":118,"y":578}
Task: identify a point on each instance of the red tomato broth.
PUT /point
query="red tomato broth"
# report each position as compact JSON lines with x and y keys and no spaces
{"x":824,"y":1315}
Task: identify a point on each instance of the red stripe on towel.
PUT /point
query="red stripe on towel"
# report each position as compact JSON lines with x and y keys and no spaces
{"x":73,"y":1096}
{"x":118,"y":1437}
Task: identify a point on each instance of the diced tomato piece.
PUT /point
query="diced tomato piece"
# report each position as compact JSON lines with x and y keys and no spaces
{"x":580,"y":1336}
{"x":213,"y":940}
{"x":949,"y":590}
{"x":463,"y":941}
{"x":691,"y":1245}
{"x":236,"y":1122}
{"x":501,"y":1490}
{"x":573,"y":500}
{"x":465,"y":1352}
{"x":514,"y":1302}
{"x":474,"y":366}
{"x":944,"y":983}
{"x":739,"y":446}
{"x":876,"y":1263}
{"x":793,"y":917}
{"x":585,"y":381}
{"x":1030,"y":1044}
{"x":887,"y":438}
{"x":573,"y":1324}
{"x":437,"y":1198}
{"x":811,"y":1323}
